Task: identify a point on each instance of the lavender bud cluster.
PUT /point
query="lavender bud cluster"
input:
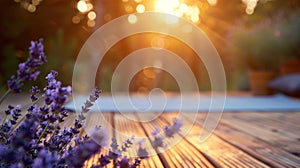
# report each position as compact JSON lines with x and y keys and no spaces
{"x":28,"y":69}
{"x":169,"y":132}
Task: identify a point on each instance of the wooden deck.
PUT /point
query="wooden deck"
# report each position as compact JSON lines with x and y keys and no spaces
{"x":243,"y":139}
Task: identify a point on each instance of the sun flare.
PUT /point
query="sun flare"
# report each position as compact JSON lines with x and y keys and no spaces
{"x":178,"y":8}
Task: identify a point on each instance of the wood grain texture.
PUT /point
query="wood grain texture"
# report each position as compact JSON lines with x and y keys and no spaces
{"x":242,"y":139}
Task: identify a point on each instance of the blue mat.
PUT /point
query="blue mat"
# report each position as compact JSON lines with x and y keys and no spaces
{"x":274,"y":103}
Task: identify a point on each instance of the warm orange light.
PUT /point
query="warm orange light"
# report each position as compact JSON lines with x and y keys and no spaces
{"x":183,"y":8}
{"x":31,"y":8}
{"x":89,"y":6}
{"x":140,"y":8}
{"x":132,"y":19}
{"x":157,"y":42}
{"x":92,"y":15}
{"x":251,"y":5}
{"x":35,"y":2}
{"x":76,"y":19}
{"x":82,"y":6}
{"x":149,"y":73}
{"x":107,"y":17}
{"x":167,"y":6}
{"x":212,"y":2}
{"x":179,"y":9}
{"x":91,"y":23}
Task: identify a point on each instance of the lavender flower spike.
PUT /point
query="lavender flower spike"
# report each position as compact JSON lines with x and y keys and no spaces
{"x":174,"y":128}
{"x":28,"y":70}
{"x":90,"y":102}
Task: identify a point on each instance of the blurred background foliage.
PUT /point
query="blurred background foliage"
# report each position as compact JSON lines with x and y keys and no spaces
{"x":52,"y":20}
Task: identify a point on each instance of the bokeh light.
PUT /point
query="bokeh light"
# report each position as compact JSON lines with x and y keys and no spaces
{"x":132,"y":19}
{"x":92,"y":15}
{"x":250,"y":6}
{"x":82,"y":6}
{"x":91,"y":23}
{"x":140,"y":8}
{"x":76,"y":19}
{"x":178,"y":8}
{"x":128,"y":8}
{"x":212,"y":2}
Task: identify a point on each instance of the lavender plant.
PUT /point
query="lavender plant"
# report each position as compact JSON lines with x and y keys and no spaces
{"x":34,"y":137}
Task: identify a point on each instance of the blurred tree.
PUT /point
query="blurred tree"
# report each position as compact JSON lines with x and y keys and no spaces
{"x":52,"y":21}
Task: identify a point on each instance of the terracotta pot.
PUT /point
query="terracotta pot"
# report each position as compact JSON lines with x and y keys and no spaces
{"x":290,"y":66}
{"x":259,"y":82}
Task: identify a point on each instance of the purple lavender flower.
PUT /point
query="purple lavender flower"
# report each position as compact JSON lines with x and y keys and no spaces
{"x":16,"y":113}
{"x":155,"y":132}
{"x":124,"y":162}
{"x":100,"y":135}
{"x":115,"y":152}
{"x":89,"y":103}
{"x":28,"y":70}
{"x":104,"y":160}
{"x":142,"y":152}
{"x":34,"y":91}
{"x":177,"y":124}
{"x":137,"y":162}
{"x":55,"y":96}
{"x":45,"y":159}
{"x":95,"y":94}
{"x":5,"y":130}
{"x":127,"y":144}
{"x":174,"y":128}
{"x":81,"y":153}
{"x":158,"y":142}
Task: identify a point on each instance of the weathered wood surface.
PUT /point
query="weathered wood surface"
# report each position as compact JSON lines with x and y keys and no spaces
{"x":242,"y":139}
{"x":245,"y":139}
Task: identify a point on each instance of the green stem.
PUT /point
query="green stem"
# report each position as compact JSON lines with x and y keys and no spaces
{"x":4,"y":119}
{"x":19,"y":122}
{"x":41,"y":136}
{"x":24,"y":116}
{"x":4,"y":95}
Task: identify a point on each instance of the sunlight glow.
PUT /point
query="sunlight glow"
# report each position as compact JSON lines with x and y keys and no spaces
{"x":251,"y":5}
{"x":178,"y":8}
{"x":140,"y":8}
{"x":82,"y":6}
{"x":212,"y":2}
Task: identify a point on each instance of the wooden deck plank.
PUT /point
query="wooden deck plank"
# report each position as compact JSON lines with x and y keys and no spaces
{"x":266,"y":121}
{"x":224,"y":153}
{"x":269,"y":154}
{"x":289,"y":144}
{"x":174,"y":151}
{"x":106,"y":121}
{"x":126,"y":128}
